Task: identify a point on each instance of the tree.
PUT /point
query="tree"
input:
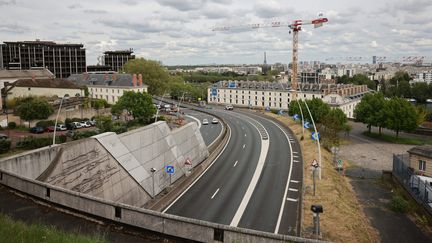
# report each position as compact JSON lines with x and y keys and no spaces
{"x":370,"y":111}
{"x":317,"y":108}
{"x":138,"y":105}
{"x":153,"y":73}
{"x":420,"y":92}
{"x":34,"y":108}
{"x":104,"y":123}
{"x":332,"y":123}
{"x":400,"y":115}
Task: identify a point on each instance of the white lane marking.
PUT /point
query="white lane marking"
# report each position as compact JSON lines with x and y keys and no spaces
{"x":296,"y":161}
{"x":235,"y":163}
{"x":245,"y":135}
{"x":294,"y":152}
{"x":244,"y":145}
{"x":196,"y":119}
{"x":295,"y":156}
{"x":293,"y":190}
{"x":265,"y":144}
{"x":291,"y":199}
{"x":288,"y":180}
{"x":214,"y":194}
{"x":193,"y":183}
{"x":293,"y":181}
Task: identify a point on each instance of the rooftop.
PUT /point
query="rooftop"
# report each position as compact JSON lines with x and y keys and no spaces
{"x":37,"y":73}
{"x":46,"y":83}
{"x":103,"y":79}
{"x":423,"y":150}
{"x":39,"y":42}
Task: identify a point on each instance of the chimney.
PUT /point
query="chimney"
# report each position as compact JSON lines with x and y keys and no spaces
{"x":134,"y":80}
{"x":33,"y":78}
{"x":140,"y":82}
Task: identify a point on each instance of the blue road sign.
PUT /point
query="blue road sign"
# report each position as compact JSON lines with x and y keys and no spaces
{"x":169,"y":169}
{"x":267,"y":108}
{"x":306,"y":125}
{"x":232,"y":85}
{"x":296,"y":117}
{"x":315,"y":136}
{"x":214,"y":92}
{"x":280,"y":112}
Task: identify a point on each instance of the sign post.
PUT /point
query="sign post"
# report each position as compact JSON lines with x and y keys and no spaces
{"x":315,"y":166}
{"x":169,"y":169}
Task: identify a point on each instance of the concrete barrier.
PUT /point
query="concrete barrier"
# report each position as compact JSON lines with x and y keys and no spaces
{"x":186,"y":228}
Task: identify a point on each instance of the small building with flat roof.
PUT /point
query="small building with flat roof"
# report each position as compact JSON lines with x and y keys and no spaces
{"x":420,"y":160}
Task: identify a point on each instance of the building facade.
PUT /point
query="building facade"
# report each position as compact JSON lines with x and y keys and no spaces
{"x":117,"y":59}
{"x":61,"y":59}
{"x":420,"y":160}
{"x":44,"y":87}
{"x":109,"y":86}
{"x":279,"y":95}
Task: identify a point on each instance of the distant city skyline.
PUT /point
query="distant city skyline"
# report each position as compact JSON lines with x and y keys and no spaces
{"x":179,"y":32}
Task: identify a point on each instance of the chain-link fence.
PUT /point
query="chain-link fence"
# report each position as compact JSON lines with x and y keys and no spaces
{"x":420,"y":187}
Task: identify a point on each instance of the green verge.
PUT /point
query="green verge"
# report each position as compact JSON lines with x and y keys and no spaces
{"x":16,"y":231}
{"x":400,"y":140}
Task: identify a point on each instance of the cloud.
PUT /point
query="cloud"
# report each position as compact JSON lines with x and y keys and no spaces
{"x":75,"y":6}
{"x":373,"y":44}
{"x":130,"y":2}
{"x":152,"y":26}
{"x":272,"y":9}
{"x":95,"y":11}
{"x":184,"y":5}
{"x":7,"y":2}
{"x":13,"y":28}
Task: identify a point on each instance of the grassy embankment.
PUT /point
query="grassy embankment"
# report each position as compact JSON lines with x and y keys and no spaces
{"x":343,"y":219}
{"x":16,"y":231}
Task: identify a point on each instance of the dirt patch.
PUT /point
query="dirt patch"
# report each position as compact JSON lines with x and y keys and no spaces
{"x":343,"y":219}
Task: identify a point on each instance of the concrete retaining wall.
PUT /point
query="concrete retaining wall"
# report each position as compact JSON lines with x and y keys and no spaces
{"x":163,"y":223}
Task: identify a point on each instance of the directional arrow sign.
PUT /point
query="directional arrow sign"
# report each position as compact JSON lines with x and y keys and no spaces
{"x":315,"y":136}
{"x":296,"y":117}
{"x":306,"y":125}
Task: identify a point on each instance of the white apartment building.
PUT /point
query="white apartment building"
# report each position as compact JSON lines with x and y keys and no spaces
{"x":279,"y":95}
{"x":425,"y":77}
{"x":109,"y":86}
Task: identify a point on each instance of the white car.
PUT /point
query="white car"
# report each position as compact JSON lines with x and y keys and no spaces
{"x":61,"y":127}
{"x":215,"y":121}
{"x":77,"y":125}
{"x":205,"y":122}
{"x":229,"y":107}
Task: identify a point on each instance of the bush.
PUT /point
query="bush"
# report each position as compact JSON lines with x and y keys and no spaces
{"x":34,"y":143}
{"x":119,"y":127}
{"x":22,"y":128}
{"x":62,"y":138}
{"x":45,"y":123}
{"x":5,"y":145}
{"x":399,"y":205}
{"x":85,"y":134}
{"x":12,"y":125}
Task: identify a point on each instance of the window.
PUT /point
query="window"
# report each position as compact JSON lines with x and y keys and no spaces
{"x":118,"y":91}
{"x":422,"y":165}
{"x":29,"y":88}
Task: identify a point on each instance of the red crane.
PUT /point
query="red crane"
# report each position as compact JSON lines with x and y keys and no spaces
{"x":294,"y":26}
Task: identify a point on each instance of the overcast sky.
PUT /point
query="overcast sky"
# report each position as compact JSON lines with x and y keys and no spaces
{"x":179,"y":31}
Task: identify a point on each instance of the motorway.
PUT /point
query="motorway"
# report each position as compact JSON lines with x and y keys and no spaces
{"x":254,"y":183}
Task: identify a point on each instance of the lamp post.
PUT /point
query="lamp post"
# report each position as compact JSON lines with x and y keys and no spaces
{"x":160,"y":102}
{"x":153,"y":170}
{"x":58,"y":113}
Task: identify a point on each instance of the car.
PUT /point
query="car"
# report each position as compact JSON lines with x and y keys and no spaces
{"x":93,"y":122}
{"x":3,"y":136}
{"x":86,"y":124}
{"x":70,"y":133}
{"x":61,"y":127}
{"x":229,"y":107}
{"x":49,"y":129}
{"x":215,"y":121}
{"x":205,"y":122}
{"x":36,"y":130}
{"x":77,"y":125}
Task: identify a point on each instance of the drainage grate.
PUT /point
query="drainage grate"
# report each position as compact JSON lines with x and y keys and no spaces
{"x":218,"y":235}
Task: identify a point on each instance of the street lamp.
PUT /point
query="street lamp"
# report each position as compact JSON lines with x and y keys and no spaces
{"x":58,"y":113}
{"x":160,"y":103}
{"x":153,"y":170}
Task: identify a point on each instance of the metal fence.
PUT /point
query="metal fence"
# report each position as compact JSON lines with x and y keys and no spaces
{"x":418,"y":186}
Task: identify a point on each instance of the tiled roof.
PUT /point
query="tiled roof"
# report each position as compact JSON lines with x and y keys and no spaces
{"x":37,"y":73}
{"x":423,"y":150}
{"x":46,"y":83}
{"x":102,"y":79}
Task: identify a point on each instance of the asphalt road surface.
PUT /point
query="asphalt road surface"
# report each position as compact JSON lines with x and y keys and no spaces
{"x":255,"y":182}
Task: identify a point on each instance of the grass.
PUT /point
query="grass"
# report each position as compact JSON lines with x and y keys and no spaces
{"x":399,"y":140}
{"x":16,"y":231}
{"x":343,"y":219}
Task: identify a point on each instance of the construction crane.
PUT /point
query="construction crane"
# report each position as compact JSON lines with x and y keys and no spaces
{"x":295,"y":27}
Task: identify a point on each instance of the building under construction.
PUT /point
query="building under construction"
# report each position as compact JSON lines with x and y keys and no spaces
{"x":116,"y":59}
{"x":61,"y":59}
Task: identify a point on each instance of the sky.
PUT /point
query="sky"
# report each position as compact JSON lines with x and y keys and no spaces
{"x":179,"y":32}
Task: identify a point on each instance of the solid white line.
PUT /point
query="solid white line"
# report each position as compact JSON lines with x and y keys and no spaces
{"x":293,"y":181}
{"x":214,"y":194}
{"x":293,"y":190}
{"x":244,"y":145}
{"x":291,"y":199}
{"x":247,"y":196}
{"x":245,"y":135}
{"x":196,"y":119}
{"x":288,"y":181}
{"x":229,"y":139}
{"x":235,"y":163}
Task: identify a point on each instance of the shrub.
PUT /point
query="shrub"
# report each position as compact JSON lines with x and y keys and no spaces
{"x":34,"y":143}
{"x":45,"y":123}
{"x":12,"y":125}
{"x":85,"y":134}
{"x":5,"y":145}
{"x":68,"y":120}
{"x":399,"y":205}
{"x":62,"y":138}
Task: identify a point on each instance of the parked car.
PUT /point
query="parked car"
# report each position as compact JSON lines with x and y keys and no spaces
{"x":229,"y":107}
{"x":77,"y":125}
{"x":85,"y":124}
{"x":61,"y":127}
{"x":205,"y":122}
{"x":3,"y":136}
{"x":93,"y":122}
{"x":36,"y":130}
{"x":215,"y":121}
{"x":49,"y":129}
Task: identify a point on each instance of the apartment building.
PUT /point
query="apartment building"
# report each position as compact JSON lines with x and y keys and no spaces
{"x":109,"y":86}
{"x":257,"y":94}
{"x":61,"y":59}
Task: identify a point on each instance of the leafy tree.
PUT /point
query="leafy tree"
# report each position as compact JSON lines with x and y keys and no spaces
{"x":138,"y":105}
{"x":400,"y":76}
{"x":153,"y":73}
{"x":332,"y":123}
{"x":358,"y":79}
{"x":421,"y":92}
{"x":104,"y":123}
{"x":34,"y":108}
{"x":317,"y":108}
{"x":400,"y":115}
{"x":370,"y":111}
